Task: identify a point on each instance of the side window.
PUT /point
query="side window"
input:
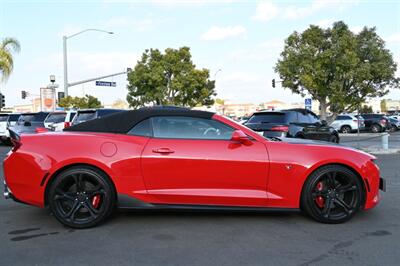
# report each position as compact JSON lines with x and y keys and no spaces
{"x":71,"y":117}
{"x":313,"y":118}
{"x":291,"y":117}
{"x":142,"y":128}
{"x":303,"y":118}
{"x":178,"y":127}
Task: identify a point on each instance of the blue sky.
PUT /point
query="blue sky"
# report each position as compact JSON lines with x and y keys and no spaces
{"x":242,"y":38}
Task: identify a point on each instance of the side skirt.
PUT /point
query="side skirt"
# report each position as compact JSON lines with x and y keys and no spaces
{"x":128,"y":203}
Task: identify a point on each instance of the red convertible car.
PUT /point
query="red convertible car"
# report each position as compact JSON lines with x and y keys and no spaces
{"x":166,"y":158}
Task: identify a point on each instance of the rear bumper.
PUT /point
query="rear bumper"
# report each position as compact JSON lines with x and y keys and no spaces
{"x":382,"y":184}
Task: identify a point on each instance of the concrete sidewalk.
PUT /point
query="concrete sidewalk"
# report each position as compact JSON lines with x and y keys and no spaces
{"x":372,"y":142}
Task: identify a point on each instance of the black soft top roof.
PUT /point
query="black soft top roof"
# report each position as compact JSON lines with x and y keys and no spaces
{"x":122,"y":122}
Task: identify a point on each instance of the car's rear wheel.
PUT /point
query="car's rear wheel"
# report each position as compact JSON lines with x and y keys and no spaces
{"x":81,"y":197}
{"x":346,"y":129}
{"x":332,"y":194}
{"x":376,"y":128}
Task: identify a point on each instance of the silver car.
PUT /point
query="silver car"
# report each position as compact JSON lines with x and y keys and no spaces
{"x":348,"y":123}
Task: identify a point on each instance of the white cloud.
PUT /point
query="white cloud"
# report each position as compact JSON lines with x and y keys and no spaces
{"x":265,"y":11}
{"x":219,"y":33}
{"x":356,"y":29}
{"x":394,"y":38}
{"x":325,"y":23}
{"x":265,"y":51}
{"x":296,"y":12}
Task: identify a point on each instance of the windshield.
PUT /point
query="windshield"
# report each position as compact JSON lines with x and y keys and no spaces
{"x":85,"y":116}
{"x":267,"y":118}
{"x":39,"y":117}
{"x":56,"y":118}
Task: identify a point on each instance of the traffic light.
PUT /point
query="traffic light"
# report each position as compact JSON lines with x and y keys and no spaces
{"x":23,"y":94}
{"x":2,"y":101}
{"x":61,"y":95}
{"x":273,"y":83}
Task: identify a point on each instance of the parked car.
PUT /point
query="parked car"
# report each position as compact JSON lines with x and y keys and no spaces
{"x":395,"y":124}
{"x":30,"y":123}
{"x":90,"y":114}
{"x":376,"y":122}
{"x":59,"y":120}
{"x":292,"y":123}
{"x":348,"y":123}
{"x":155,"y":158}
{"x":7,"y":121}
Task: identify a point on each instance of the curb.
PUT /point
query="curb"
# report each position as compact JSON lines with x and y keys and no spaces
{"x":381,"y":151}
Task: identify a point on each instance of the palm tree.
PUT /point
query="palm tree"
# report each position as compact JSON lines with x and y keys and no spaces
{"x":7,"y":47}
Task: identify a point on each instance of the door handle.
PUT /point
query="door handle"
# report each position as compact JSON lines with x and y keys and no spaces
{"x":163,"y":150}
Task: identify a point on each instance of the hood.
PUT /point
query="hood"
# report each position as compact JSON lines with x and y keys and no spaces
{"x":324,"y":143}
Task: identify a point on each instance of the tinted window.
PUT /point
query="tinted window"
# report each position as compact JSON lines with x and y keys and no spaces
{"x":343,"y":117}
{"x":71,"y":116}
{"x":13,"y":118}
{"x":3,"y":118}
{"x":313,"y":118}
{"x":56,"y":118}
{"x":143,"y":128}
{"x":267,"y":118}
{"x":303,"y":118}
{"x":190,"y":128}
{"x":85,"y":116}
{"x":38,"y":117}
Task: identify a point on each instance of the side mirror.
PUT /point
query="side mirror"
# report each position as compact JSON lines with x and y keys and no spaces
{"x":324,"y":123}
{"x":239,"y":136}
{"x":27,"y":124}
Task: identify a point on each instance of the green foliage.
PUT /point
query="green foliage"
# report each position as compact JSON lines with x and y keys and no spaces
{"x":88,"y":101}
{"x":365,"y":109}
{"x":7,"y":47}
{"x":338,"y":68}
{"x":383,"y":106}
{"x":169,"y":79}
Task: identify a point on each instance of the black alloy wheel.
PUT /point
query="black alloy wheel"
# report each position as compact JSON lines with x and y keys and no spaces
{"x":332,"y":194}
{"x":81,"y":197}
{"x":346,"y":129}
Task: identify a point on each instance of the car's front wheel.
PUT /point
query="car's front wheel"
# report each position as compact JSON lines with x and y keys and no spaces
{"x":81,"y":197}
{"x":332,"y":194}
{"x":376,"y":128}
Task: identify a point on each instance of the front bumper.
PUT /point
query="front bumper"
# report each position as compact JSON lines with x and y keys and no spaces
{"x":382,"y":184}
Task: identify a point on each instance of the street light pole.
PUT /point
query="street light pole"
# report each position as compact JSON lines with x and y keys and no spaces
{"x":65,"y":66}
{"x":66,"y":85}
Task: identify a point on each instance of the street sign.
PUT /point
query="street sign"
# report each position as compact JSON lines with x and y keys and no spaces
{"x":308,"y":103}
{"x":106,"y":83}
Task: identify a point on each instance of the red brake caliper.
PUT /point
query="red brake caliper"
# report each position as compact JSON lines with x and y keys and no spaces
{"x":96,"y":201}
{"x":319,"y":199}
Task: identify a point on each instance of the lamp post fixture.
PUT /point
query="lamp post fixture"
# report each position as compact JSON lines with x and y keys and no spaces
{"x":66,"y":85}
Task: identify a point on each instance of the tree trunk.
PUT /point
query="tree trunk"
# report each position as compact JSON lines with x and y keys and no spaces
{"x":322,"y":108}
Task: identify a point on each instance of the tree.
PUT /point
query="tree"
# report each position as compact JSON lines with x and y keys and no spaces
{"x":169,"y":79}
{"x":88,"y":101}
{"x":7,"y":47}
{"x":365,"y":109}
{"x":383,"y":106}
{"x":338,"y":68}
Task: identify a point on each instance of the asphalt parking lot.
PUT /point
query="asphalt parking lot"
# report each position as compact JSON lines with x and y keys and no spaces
{"x":30,"y":236}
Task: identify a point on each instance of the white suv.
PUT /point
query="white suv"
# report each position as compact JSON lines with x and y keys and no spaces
{"x":347,"y":123}
{"x":7,"y":121}
{"x":59,"y":120}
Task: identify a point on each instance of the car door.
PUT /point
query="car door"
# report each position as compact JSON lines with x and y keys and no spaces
{"x":192,"y":160}
{"x":309,"y":128}
{"x":322,"y":131}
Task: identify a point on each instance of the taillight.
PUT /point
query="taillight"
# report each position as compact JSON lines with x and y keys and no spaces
{"x":41,"y":130}
{"x":280,"y":128}
{"x":67,"y":124}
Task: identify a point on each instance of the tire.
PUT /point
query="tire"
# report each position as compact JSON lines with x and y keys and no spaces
{"x":81,"y":197}
{"x":346,"y":129}
{"x":332,"y":194}
{"x":334,"y":139}
{"x":376,"y":128}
